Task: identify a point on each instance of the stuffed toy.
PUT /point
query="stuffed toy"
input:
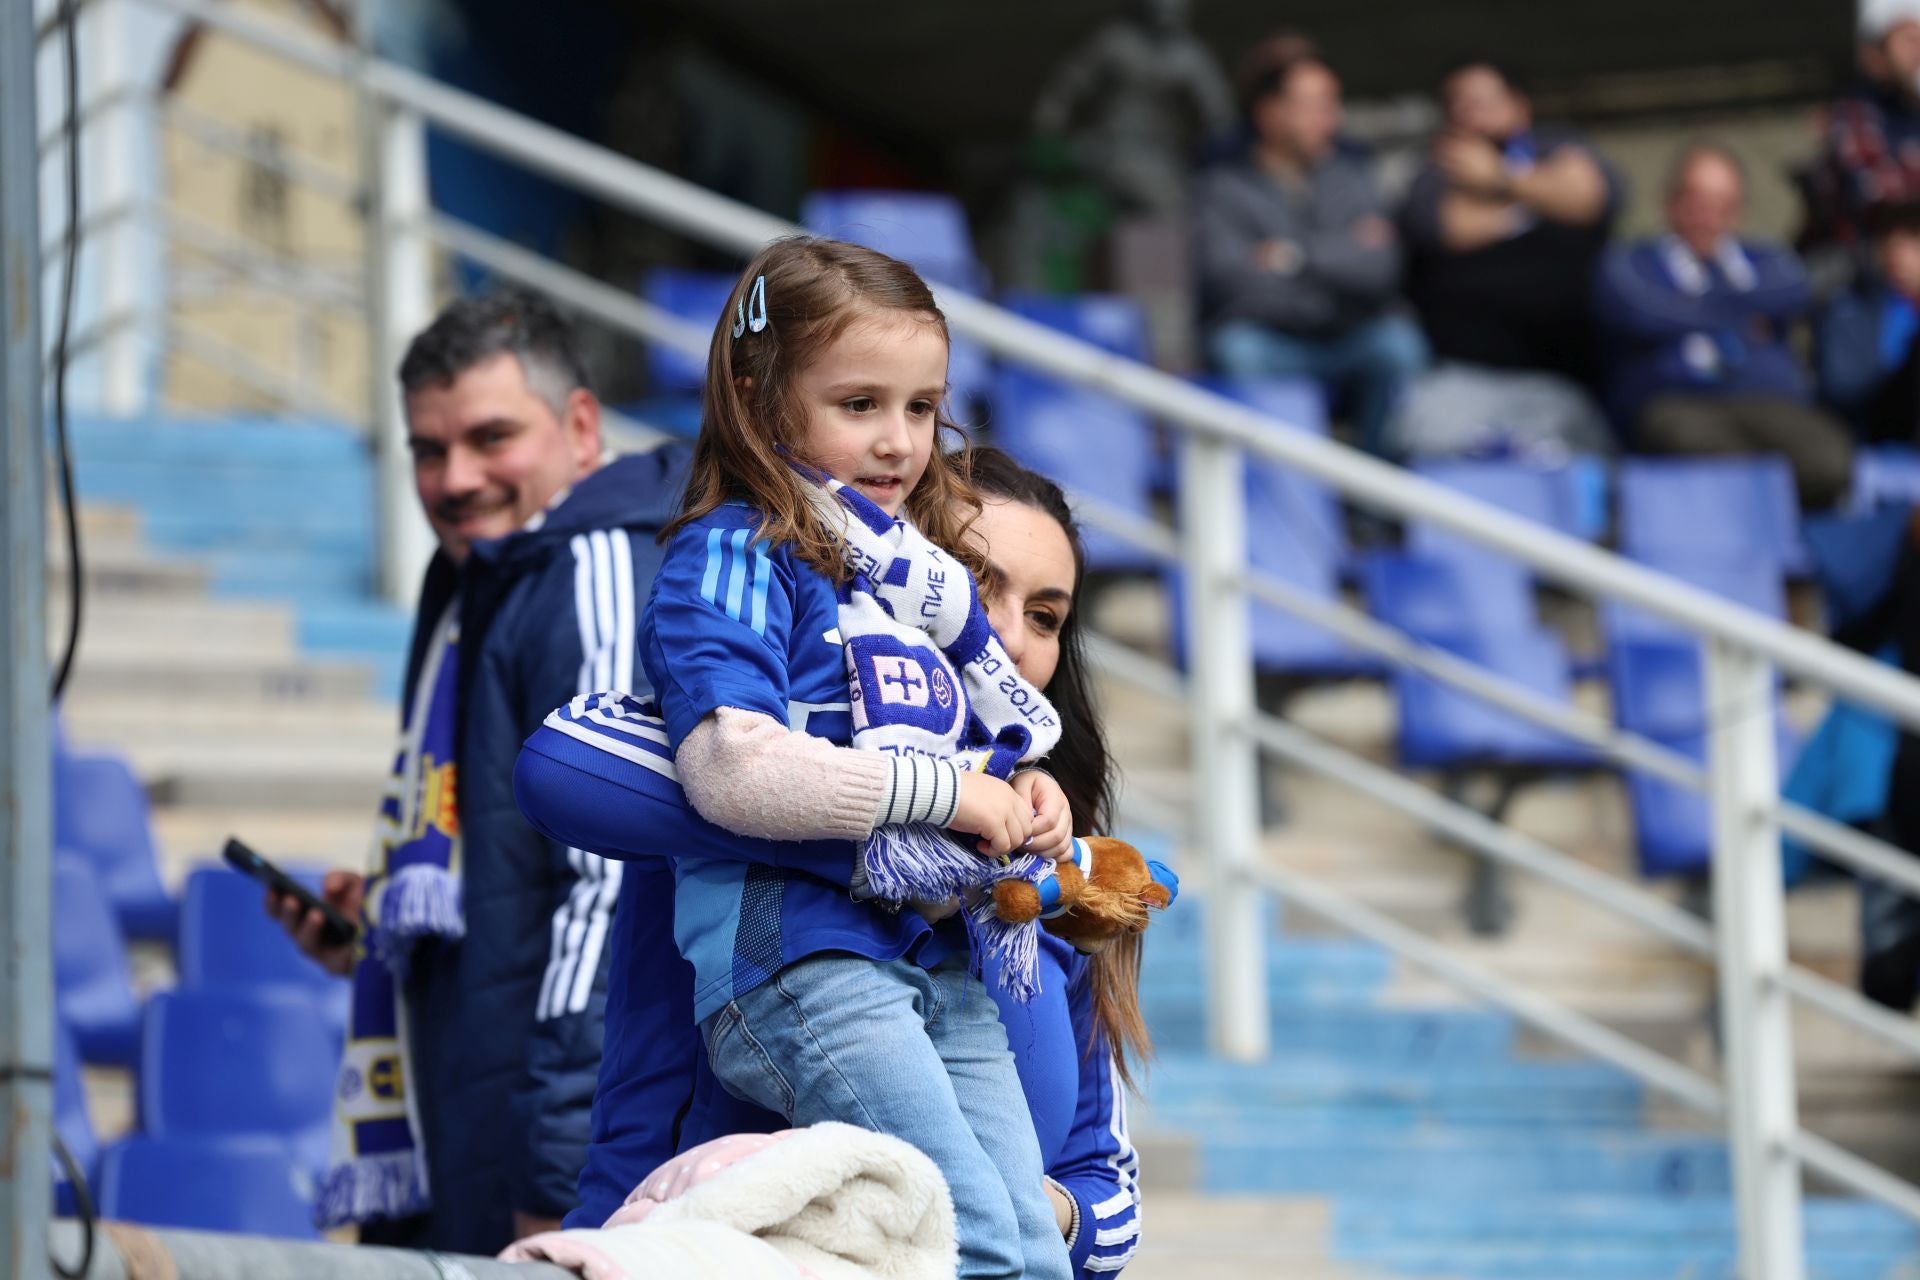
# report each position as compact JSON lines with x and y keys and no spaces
{"x":1099,"y":894}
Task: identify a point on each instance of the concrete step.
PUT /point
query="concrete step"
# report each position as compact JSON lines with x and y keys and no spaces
{"x":284,"y":775}
{"x":116,"y":623}
{"x":217,"y":679}
{"x":123,"y":570}
{"x":341,"y":726}
{"x":328,"y":837}
{"x":1186,"y":1236}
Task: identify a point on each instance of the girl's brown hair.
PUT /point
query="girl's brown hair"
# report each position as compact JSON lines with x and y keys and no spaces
{"x":813,"y":290}
{"x":1080,"y":763}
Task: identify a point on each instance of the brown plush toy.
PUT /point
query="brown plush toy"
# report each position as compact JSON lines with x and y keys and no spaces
{"x":1101,"y":893}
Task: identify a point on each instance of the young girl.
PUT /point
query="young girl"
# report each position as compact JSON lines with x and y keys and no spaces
{"x":811,"y":1003}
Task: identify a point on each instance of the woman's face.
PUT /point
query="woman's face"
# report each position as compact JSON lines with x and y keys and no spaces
{"x":1030,"y":589}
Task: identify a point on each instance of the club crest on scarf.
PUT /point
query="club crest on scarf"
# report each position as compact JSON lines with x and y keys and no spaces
{"x":928,"y":677}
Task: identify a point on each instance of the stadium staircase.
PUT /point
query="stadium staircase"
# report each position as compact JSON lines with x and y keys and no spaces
{"x":235,"y":654}
{"x":233,"y":650}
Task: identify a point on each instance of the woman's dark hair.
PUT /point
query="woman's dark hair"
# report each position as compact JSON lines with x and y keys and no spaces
{"x":1080,"y":763}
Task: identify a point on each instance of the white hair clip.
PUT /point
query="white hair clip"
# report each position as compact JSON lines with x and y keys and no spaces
{"x":750,"y":313}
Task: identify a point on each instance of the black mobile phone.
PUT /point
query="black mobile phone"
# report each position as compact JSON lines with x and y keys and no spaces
{"x":337,"y":931}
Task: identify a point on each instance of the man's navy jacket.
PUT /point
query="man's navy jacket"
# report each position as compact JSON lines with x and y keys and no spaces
{"x":505,"y":1026}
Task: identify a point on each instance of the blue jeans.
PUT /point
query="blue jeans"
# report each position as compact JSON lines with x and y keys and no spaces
{"x":1371,"y":363}
{"x":919,"y":1054}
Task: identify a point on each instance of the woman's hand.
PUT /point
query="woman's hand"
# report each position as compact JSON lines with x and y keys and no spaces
{"x":1052,"y":834}
{"x":991,"y":810}
{"x":1062,"y":1209}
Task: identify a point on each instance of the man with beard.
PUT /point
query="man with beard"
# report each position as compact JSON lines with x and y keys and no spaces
{"x":479,"y":983}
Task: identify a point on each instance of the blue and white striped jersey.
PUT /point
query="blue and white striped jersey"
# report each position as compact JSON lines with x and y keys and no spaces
{"x":735,"y":623}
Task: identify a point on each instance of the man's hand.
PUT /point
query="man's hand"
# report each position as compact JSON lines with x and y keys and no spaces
{"x":1372,"y":232}
{"x":343,"y":891}
{"x":1052,"y":835}
{"x":1282,"y":257}
{"x":1474,"y":165}
{"x":525,"y":1224}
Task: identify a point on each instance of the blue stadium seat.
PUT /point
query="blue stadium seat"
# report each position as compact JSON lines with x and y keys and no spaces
{"x":924,"y":228}
{"x":1754,"y":582}
{"x":239,"y":1061}
{"x":1711,"y":508}
{"x":1441,"y":727}
{"x":1884,"y":474}
{"x":100,"y":810}
{"x":70,"y":1119}
{"x":1659,"y":692}
{"x":1295,"y":533}
{"x":229,"y":1183}
{"x":1438,"y":601}
{"x":1109,"y":321}
{"x":1095,"y":445}
{"x":92,"y":993}
{"x":227,"y":940}
{"x":1288,"y":514}
{"x":697,"y":297}
{"x":1546,"y":496}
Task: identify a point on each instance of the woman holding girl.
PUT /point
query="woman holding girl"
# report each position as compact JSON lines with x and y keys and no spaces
{"x":811,"y":1002}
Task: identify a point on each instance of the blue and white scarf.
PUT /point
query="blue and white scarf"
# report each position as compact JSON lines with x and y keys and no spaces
{"x":377,"y":1166}
{"x":928,"y":677}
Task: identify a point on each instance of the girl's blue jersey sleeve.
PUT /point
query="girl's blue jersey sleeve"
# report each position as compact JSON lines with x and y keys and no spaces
{"x":716,"y":630}
{"x":1098,"y":1166}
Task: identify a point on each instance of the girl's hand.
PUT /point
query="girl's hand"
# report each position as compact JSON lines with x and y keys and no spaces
{"x":991,"y":810}
{"x":1052,"y":835}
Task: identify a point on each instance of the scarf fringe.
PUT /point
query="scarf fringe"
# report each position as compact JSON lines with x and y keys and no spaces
{"x":390,"y":1185}
{"x":418,"y":901}
{"x":1016,"y":946}
{"x":916,"y":863}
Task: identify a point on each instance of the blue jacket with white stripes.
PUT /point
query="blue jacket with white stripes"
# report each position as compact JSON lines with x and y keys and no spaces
{"x":505,"y":1026}
{"x":598,"y":774}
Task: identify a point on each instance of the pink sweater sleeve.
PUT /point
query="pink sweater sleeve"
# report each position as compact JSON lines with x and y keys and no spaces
{"x":751,"y":774}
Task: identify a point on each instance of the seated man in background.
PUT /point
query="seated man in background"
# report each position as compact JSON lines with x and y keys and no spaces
{"x":1868,"y":354}
{"x":1870,"y":155}
{"x":1698,"y":321}
{"x":1297,"y":264}
{"x":1504,"y":228}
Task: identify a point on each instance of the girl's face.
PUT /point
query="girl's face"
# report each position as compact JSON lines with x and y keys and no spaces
{"x":1029,"y":590}
{"x":871,"y":403}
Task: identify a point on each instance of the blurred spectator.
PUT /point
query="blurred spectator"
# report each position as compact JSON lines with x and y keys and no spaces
{"x":1871,"y":153}
{"x":479,"y":981}
{"x":1136,"y":102}
{"x":1699,"y":322}
{"x":1869,"y":358}
{"x":1505,"y":226}
{"x":1297,"y":262}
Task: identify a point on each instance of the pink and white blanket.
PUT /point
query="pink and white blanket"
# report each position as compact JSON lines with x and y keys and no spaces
{"x":829,"y":1202}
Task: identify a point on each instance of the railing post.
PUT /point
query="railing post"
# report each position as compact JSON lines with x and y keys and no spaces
{"x":26,"y":984}
{"x":1750,"y":935}
{"x":400,"y":304}
{"x":122,"y":176}
{"x":1225,"y":789}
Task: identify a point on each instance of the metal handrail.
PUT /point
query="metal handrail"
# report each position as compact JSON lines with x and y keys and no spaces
{"x":700,"y":214}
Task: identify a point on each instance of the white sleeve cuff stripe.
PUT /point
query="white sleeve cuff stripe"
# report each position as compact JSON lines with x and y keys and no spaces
{"x":1113,"y":1204}
{"x":1117,"y":1235}
{"x":603,"y":610}
{"x":920,"y":789}
{"x":1110,"y":1262}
